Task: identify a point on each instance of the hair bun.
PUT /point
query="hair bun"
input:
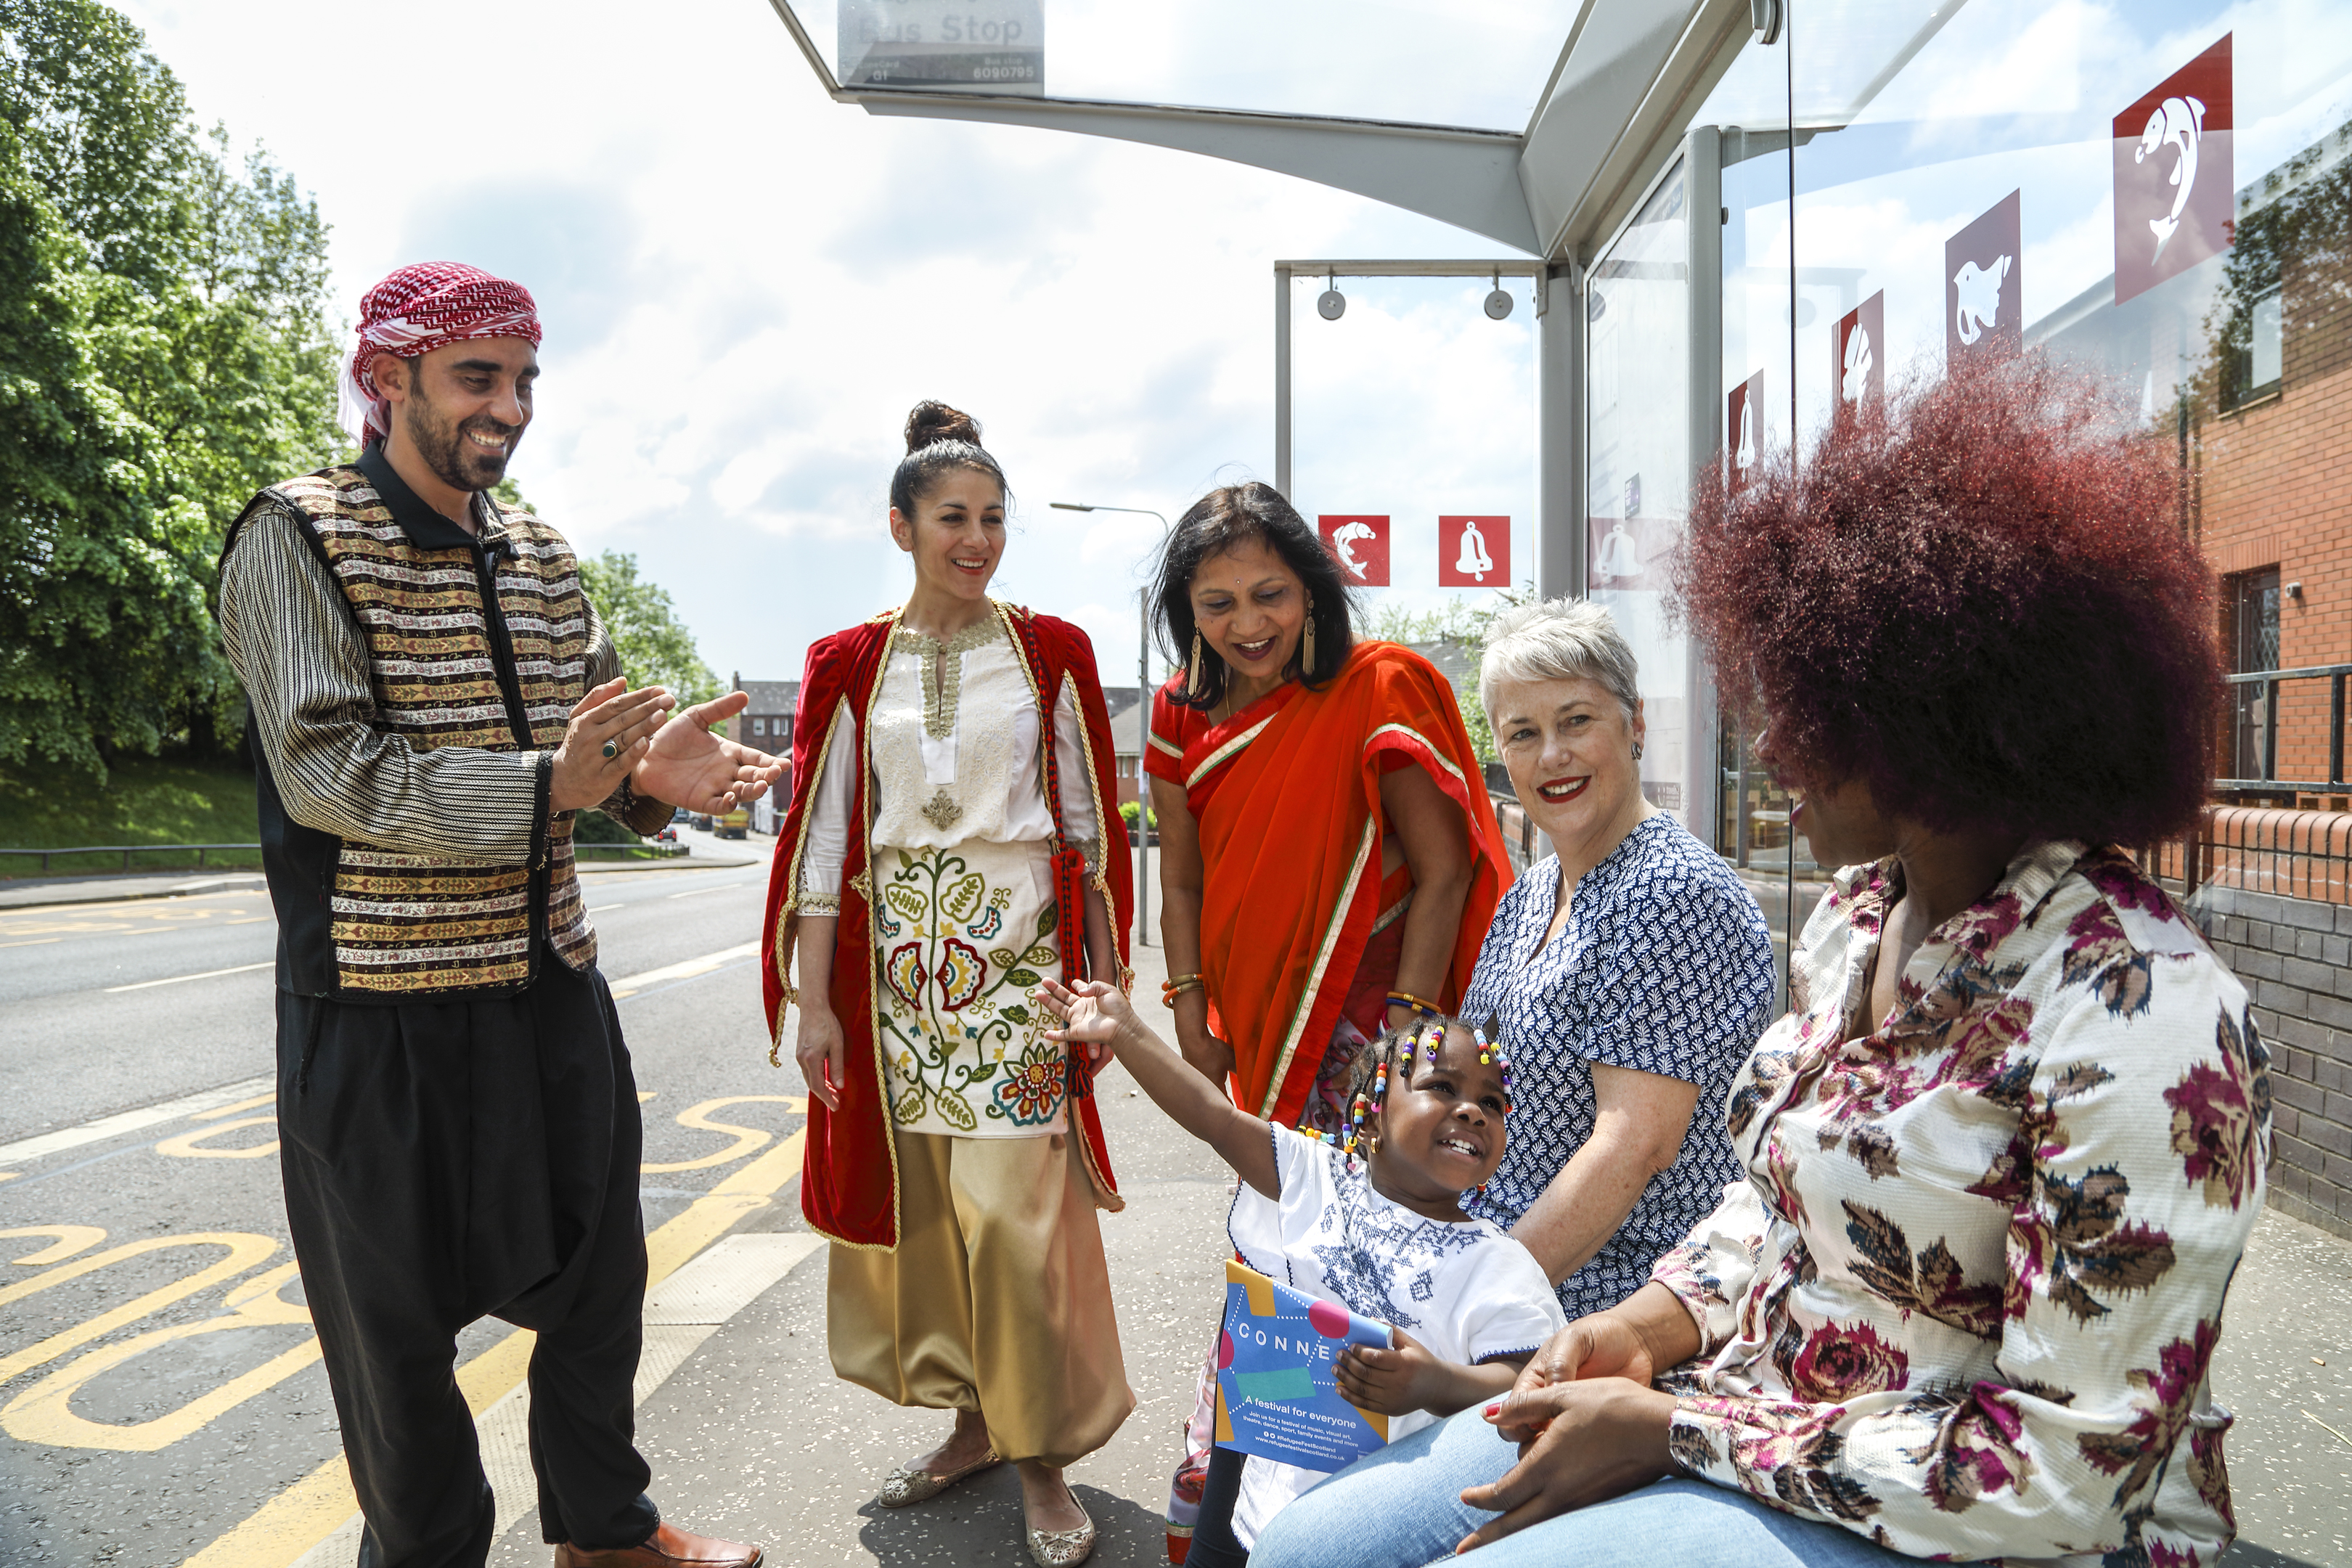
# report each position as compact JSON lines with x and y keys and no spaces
{"x":931,"y":423}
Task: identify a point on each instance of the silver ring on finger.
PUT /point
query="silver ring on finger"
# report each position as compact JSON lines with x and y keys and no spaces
{"x":611,"y":750}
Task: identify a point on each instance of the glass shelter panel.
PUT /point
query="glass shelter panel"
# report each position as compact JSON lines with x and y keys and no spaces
{"x":1420,"y":61}
{"x":2156,"y":192}
{"x":1637,"y":381}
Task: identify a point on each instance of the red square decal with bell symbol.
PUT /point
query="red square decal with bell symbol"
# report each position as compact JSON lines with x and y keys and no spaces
{"x":1360,"y":545}
{"x":1473,"y":552}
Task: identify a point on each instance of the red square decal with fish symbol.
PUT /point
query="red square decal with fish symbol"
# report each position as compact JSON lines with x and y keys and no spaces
{"x":1361,"y":544}
{"x":2174,"y":186}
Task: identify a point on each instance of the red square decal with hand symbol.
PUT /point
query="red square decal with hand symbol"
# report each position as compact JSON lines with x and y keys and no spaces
{"x":1361,"y":544}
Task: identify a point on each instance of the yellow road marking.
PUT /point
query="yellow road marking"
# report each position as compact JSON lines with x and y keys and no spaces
{"x":44,"y":1413}
{"x":313,"y":1508}
{"x":185,"y":1147}
{"x":249,"y":920}
{"x":36,"y":941}
{"x":746,"y":1138}
{"x":70,"y":1239}
{"x":257,"y":1101}
{"x":245,"y":1250}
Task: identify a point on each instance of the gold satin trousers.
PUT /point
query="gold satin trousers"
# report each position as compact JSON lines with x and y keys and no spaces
{"x":997,"y":1299}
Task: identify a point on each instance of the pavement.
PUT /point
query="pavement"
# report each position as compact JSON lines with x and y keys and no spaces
{"x":161,"y":1405}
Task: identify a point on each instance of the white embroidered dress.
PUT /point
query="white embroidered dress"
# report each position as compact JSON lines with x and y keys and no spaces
{"x":1464,"y":1289}
{"x":964,"y":900}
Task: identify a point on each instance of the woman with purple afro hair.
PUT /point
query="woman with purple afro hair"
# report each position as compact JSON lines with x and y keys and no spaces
{"x":2003,"y":1156}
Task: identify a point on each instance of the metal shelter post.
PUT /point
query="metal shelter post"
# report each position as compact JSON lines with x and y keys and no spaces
{"x":1282,"y":378}
{"x":1559,"y":433}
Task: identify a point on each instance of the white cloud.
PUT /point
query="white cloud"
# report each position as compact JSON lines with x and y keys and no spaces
{"x":745,"y":286}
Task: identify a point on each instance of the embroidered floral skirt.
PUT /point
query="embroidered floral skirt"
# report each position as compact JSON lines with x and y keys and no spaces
{"x":963,"y":936}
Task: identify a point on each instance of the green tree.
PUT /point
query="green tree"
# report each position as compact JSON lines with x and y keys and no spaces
{"x":206,"y":368}
{"x":1461,"y":622}
{"x":656,"y":648}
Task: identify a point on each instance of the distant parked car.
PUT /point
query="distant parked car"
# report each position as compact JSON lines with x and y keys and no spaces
{"x":680,"y":814}
{"x":699,"y":823}
{"x":667,"y":835}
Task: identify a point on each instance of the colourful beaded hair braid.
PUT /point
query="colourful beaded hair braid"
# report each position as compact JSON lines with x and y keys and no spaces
{"x":1393,"y":1054}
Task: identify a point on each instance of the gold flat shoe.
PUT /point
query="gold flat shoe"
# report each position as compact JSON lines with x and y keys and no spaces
{"x":1064,"y":1548}
{"x":903,"y":1489}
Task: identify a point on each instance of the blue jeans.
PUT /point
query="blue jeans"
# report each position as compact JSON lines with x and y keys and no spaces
{"x":1402,"y":1507}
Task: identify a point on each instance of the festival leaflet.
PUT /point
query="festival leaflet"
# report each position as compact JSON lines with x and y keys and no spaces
{"x":1276,"y":1397}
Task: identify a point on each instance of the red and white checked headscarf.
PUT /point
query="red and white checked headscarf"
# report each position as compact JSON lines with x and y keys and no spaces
{"x":415,"y":311}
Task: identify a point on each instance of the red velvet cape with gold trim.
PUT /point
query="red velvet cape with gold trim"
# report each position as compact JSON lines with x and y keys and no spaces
{"x":849,"y":1175}
{"x":1287,"y":795}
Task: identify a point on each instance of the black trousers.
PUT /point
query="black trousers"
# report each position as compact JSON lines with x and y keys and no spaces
{"x":450,"y":1161}
{"x":1213,"y":1543}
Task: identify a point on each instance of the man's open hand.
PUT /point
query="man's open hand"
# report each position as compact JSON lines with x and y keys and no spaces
{"x":586,"y":771}
{"x":687,"y":765}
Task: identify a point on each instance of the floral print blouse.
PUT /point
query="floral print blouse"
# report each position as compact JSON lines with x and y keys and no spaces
{"x":1966,"y":1302}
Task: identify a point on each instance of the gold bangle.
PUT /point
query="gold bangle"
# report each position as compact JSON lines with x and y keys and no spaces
{"x":1419,"y":1005}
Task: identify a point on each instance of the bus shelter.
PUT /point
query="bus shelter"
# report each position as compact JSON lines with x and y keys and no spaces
{"x":1739,"y":215}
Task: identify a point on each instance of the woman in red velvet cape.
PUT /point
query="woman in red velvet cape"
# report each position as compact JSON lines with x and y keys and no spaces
{"x":951,"y":841}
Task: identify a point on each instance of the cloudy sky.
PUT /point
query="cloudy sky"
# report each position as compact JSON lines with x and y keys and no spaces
{"x":745,"y":286}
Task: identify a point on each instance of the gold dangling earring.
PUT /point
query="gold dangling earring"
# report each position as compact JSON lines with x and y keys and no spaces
{"x":1306,"y":661}
{"x":1196,"y":684}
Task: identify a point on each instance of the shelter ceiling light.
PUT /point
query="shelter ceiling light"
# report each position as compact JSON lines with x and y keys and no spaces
{"x":1331,"y":304}
{"x":1499,"y":303}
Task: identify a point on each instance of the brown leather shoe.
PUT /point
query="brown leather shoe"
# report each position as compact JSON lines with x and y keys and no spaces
{"x":667,"y":1547}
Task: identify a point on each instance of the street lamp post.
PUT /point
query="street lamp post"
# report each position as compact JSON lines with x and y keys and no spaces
{"x":1142,"y":727}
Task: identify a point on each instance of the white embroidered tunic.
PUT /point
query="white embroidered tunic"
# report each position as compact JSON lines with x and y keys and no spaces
{"x":963,"y":900}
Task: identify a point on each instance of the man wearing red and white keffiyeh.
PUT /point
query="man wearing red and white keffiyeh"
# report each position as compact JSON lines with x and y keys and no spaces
{"x":433,"y":700}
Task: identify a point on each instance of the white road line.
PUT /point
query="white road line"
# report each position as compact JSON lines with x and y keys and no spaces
{"x":114,"y":1126}
{"x":600,"y":909}
{"x":686,"y":971}
{"x":207,"y":974}
{"x":698,"y":893}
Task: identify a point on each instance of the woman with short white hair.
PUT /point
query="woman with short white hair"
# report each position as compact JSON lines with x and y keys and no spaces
{"x":1628,"y":976}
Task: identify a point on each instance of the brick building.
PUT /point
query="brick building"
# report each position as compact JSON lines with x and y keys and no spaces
{"x":2272,"y":460}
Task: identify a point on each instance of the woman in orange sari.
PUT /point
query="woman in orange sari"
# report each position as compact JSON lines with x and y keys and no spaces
{"x":1329,"y":861}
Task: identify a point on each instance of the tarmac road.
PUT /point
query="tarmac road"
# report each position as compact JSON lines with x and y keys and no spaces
{"x":161,"y":1405}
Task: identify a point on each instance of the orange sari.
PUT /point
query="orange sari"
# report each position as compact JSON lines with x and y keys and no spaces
{"x":1287,"y":795}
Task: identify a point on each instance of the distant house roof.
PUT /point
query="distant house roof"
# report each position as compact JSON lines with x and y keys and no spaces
{"x":770,"y":697}
{"x":1455,"y":660}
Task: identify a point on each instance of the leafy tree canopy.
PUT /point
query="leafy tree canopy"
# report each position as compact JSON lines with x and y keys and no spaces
{"x":164,"y":353}
{"x":655,"y":647}
{"x":1461,"y":621}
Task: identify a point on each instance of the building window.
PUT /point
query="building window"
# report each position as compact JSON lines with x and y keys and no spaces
{"x":2254,"y":604}
{"x":2255,"y":352}
{"x":759,"y":726}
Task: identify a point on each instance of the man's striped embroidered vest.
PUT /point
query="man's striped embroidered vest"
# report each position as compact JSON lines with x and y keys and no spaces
{"x":450,"y":670}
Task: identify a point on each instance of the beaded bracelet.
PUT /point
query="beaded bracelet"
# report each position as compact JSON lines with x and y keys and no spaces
{"x":1421,"y":1006}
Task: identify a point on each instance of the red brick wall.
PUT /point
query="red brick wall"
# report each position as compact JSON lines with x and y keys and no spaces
{"x":2276,"y":489}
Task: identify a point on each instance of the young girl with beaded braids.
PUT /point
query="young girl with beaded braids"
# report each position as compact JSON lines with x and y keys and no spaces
{"x":1373,"y":1222}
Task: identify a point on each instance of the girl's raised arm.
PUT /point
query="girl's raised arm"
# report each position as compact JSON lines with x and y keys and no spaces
{"x":1093,"y":1013}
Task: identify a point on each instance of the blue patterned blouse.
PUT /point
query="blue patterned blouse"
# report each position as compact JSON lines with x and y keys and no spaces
{"x":1664,"y":966}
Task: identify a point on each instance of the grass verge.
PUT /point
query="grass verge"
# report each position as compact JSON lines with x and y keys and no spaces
{"x":146,"y":801}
